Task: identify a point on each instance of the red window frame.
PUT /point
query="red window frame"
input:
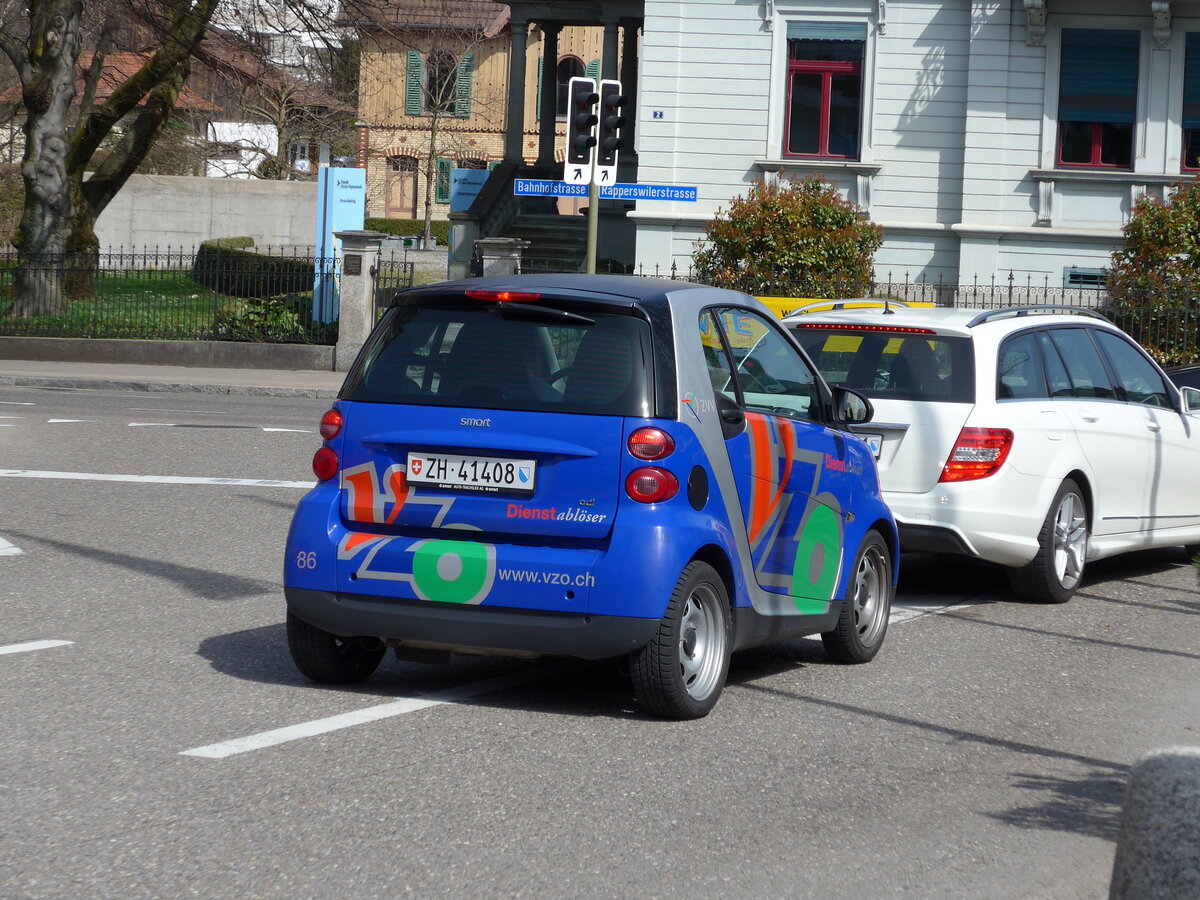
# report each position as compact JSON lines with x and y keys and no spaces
{"x":826,"y":69}
{"x":1187,"y":145}
{"x":1095,"y":161}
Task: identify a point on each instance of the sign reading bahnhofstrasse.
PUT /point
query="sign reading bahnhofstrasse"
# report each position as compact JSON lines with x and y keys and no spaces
{"x":532,"y":187}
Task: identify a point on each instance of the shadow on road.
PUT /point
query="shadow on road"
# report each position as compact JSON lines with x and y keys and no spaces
{"x":204,"y":584}
{"x":1088,"y":804}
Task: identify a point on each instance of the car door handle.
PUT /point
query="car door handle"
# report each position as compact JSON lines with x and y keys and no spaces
{"x":1154,"y":426}
{"x":1091,"y":419}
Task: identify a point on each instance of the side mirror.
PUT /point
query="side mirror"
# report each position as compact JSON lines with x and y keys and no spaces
{"x":1191,"y":399}
{"x":851,"y":407}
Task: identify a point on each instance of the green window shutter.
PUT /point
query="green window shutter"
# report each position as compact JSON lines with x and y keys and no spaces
{"x":593,"y":69}
{"x":493,"y":164}
{"x":538,"y":114}
{"x":441,"y":189}
{"x":462,"y":104}
{"x":414,"y":79}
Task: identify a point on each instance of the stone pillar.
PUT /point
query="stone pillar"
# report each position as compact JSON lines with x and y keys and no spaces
{"x":514,"y":134}
{"x":547,"y":137}
{"x":629,"y":85}
{"x":501,"y":256}
{"x":357,"y":267}
{"x":608,"y":62}
{"x":1158,"y":846}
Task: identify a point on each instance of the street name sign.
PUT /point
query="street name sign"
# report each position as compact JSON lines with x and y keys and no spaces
{"x":533,"y":187}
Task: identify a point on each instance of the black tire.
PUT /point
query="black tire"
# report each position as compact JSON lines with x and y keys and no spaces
{"x":681,"y":672}
{"x":1054,"y":574}
{"x":331,"y":659}
{"x":1192,"y":551}
{"x":863,"y":622}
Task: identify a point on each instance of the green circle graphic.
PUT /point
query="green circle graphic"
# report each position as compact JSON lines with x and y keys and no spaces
{"x":451,"y":571}
{"x":818,"y":554}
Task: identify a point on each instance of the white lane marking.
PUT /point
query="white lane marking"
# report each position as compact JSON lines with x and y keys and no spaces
{"x":62,"y":421}
{"x":16,"y":403}
{"x":197,"y":412}
{"x":371,"y":714}
{"x":144,"y":424}
{"x":293,"y":430}
{"x":7,"y":549}
{"x":33,"y":645}
{"x":154,"y":479}
{"x":12,"y":417}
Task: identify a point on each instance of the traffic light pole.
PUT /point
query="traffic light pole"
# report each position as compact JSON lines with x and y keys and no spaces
{"x":593,"y":224}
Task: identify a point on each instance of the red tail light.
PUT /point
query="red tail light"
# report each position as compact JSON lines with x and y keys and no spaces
{"x":503,"y":296}
{"x":978,"y":453}
{"x":331,"y":424}
{"x":651,"y":484}
{"x":650,"y":443}
{"x":325,"y":463}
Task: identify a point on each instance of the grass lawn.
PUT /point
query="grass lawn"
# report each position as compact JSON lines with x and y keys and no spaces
{"x":165,"y":304}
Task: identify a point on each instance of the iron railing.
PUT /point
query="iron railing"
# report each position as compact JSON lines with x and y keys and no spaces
{"x":1167,"y":325}
{"x":178,"y":294}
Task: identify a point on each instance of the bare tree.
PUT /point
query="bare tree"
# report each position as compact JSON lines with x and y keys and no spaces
{"x":62,"y":140}
{"x":442,"y":106}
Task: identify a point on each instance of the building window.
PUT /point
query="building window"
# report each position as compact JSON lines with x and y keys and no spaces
{"x":568,"y":67}
{"x":1097,"y":98}
{"x":1191,"y":103}
{"x":441,"y":75}
{"x":441,"y":180}
{"x":824,"y":90}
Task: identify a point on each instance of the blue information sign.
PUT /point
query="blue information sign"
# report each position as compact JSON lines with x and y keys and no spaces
{"x":341,"y":206}
{"x":530,"y":187}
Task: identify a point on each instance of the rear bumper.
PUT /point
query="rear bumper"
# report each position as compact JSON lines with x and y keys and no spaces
{"x":470,"y":628}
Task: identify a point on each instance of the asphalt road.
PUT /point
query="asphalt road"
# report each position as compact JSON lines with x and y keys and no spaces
{"x":156,"y":741}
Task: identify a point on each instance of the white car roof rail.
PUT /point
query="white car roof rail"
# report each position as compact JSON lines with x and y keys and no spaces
{"x":1010,"y":311}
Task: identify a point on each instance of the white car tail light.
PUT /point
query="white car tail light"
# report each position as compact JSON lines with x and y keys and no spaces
{"x":978,"y":453}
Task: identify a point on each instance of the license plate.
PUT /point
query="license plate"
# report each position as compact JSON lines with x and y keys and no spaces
{"x":485,"y":474}
{"x":874,"y":441}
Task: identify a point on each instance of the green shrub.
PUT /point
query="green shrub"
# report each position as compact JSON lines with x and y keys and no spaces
{"x":230,"y":243}
{"x":440,"y":228}
{"x":1158,"y":270}
{"x":790,"y":238}
{"x":268,"y":320}
{"x":243,"y":273}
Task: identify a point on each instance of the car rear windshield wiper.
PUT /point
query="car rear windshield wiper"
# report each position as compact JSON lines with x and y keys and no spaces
{"x":534,"y":311}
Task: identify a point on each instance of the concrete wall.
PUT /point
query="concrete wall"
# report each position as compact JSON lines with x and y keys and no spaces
{"x":177,"y":211}
{"x":221,"y":354}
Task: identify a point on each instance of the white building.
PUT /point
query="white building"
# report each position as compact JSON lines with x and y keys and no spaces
{"x":985,"y":137}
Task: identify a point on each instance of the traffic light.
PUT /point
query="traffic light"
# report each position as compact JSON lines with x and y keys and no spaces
{"x":581,"y":121}
{"x":611,"y":123}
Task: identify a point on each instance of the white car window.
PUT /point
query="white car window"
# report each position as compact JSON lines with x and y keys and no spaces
{"x":1136,"y":374}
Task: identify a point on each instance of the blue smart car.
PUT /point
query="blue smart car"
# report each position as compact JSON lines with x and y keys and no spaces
{"x":588,"y":466}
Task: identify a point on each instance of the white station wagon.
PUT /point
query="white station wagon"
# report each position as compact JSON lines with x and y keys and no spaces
{"x":1034,"y":437}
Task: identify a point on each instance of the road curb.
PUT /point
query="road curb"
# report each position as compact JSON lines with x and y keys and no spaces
{"x":167,"y":387}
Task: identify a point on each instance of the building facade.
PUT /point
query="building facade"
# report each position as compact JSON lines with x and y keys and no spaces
{"x":986,"y":138}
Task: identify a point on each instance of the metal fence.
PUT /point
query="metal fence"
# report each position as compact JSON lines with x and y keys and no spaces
{"x":1168,"y":326}
{"x":208,"y":293}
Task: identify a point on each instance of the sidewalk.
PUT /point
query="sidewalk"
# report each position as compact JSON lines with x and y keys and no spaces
{"x":122,"y":376}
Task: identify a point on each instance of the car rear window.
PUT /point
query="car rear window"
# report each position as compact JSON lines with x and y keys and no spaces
{"x":491,"y":357}
{"x":889,"y":365}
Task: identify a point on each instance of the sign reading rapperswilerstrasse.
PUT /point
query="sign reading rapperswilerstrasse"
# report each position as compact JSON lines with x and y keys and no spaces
{"x":531,"y":187}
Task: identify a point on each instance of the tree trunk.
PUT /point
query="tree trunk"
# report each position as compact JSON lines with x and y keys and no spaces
{"x":431,"y":177}
{"x":48,"y":89}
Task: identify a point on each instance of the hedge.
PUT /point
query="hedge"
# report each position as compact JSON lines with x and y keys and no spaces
{"x":410,"y":228}
{"x":224,"y":268}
